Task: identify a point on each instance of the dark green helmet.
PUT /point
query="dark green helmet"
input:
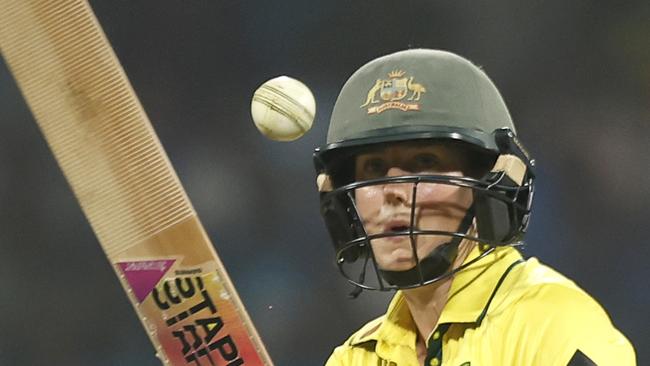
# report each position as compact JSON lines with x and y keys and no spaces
{"x":423,"y":95}
{"x":417,"y":94}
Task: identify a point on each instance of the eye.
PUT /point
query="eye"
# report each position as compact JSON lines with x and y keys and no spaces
{"x":374,"y":168}
{"x":424,"y":162}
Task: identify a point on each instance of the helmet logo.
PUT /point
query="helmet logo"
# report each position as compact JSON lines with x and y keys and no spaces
{"x":391,"y":93}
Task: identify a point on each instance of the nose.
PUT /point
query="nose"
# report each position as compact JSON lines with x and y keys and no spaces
{"x":397,"y":193}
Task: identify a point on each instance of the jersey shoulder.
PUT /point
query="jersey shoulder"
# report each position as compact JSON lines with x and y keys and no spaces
{"x":366,"y":332}
{"x":358,"y":347}
{"x":552,"y":312}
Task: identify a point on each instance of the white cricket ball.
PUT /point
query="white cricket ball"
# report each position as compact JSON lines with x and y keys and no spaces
{"x":283,"y":109}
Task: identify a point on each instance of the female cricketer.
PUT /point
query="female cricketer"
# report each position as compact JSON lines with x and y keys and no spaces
{"x":425,"y":189}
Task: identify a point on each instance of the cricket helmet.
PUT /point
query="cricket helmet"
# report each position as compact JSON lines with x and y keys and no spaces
{"x":426,"y":96}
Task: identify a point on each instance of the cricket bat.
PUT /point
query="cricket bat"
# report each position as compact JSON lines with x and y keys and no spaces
{"x":125,"y":184}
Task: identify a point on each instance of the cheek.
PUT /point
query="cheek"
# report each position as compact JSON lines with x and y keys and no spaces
{"x":369,"y":201}
{"x":444,"y":194}
{"x":441,"y":194}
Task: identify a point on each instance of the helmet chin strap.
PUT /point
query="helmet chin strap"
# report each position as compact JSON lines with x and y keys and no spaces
{"x":435,"y":264}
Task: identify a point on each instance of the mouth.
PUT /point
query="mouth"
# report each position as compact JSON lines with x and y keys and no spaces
{"x":397,"y":227}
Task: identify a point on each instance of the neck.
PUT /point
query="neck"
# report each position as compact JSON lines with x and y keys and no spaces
{"x":426,"y":303}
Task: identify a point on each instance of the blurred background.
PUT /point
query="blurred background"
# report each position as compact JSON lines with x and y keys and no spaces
{"x":576,"y":77}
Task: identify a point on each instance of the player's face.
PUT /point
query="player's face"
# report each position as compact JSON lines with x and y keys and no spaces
{"x":387,"y":207}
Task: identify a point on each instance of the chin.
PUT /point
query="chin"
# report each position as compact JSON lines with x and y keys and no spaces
{"x":397,"y":267}
{"x":398,"y":261}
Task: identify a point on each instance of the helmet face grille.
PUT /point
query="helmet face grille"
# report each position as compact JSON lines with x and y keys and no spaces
{"x":499,"y":211}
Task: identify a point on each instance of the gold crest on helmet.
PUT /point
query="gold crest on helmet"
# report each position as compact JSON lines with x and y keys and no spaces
{"x":390,"y":93}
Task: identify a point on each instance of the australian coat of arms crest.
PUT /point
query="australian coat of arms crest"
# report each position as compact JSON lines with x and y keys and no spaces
{"x":397,"y":92}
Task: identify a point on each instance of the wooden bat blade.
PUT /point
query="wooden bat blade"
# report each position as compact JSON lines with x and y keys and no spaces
{"x":125,"y":184}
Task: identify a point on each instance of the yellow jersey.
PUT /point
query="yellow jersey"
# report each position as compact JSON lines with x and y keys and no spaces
{"x":500,"y":311}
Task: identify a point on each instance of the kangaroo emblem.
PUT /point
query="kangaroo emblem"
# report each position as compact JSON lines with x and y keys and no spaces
{"x":416,"y":88}
{"x":373,"y":91}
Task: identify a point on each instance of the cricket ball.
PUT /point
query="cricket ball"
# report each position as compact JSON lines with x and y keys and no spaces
{"x":283,"y":109}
